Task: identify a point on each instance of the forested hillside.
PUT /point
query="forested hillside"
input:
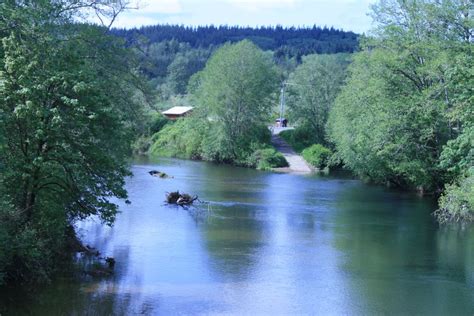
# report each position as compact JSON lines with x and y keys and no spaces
{"x":170,"y":54}
{"x":290,"y":41}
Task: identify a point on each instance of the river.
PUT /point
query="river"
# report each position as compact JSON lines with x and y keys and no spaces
{"x":266,"y":243}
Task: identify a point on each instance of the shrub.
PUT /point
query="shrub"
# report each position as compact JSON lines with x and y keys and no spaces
{"x":266,"y":159}
{"x":196,"y":138}
{"x":317,"y":155}
{"x":157,"y":122}
{"x":181,"y":138}
{"x":27,"y":254}
{"x":299,"y":138}
{"x":457,"y":202}
{"x":141,"y":145}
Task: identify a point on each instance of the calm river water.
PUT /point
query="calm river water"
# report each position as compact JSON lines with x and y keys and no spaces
{"x":267,"y":244}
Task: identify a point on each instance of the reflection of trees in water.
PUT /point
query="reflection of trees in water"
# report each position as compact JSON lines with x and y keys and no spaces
{"x":455,"y":247}
{"x":310,"y":204}
{"x":233,"y":237}
{"x":94,"y":234}
{"x":261,"y":212}
{"x":233,"y":233}
{"x":397,"y":259}
{"x":304,"y":221}
{"x":231,"y":184}
{"x":380,"y":229}
{"x":83,"y":296}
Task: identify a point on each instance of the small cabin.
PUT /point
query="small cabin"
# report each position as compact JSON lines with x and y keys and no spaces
{"x":177,"y":112}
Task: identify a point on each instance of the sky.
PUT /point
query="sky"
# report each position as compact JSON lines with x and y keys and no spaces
{"x":349,"y":15}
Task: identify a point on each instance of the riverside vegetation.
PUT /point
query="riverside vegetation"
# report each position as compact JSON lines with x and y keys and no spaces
{"x":70,"y":107}
{"x":398,"y":112}
{"x":74,"y":103}
{"x":406,"y":114}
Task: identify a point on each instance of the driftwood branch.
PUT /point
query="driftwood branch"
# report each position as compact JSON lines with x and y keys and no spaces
{"x":180,"y":199}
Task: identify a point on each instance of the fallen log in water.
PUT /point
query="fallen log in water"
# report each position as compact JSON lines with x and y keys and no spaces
{"x":180,"y":199}
{"x":159,"y":174}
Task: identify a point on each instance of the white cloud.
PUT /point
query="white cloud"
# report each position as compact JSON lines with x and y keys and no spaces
{"x":127,"y":20}
{"x":257,"y":5}
{"x":147,"y":12}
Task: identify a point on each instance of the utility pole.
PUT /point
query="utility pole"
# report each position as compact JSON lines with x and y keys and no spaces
{"x":282,"y":102}
{"x":282,"y":96}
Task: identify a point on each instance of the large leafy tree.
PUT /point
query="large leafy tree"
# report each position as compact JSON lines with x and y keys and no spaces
{"x":312,"y":89}
{"x":67,"y":97}
{"x":234,"y":93}
{"x":407,"y":94}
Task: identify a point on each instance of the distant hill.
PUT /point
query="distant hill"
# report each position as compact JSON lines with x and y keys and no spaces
{"x":283,"y":41}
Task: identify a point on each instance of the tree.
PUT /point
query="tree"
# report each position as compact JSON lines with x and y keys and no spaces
{"x":289,"y":41}
{"x":312,"y":89}
{"x":393,"y":118}
{"x":457,"y":202}
{"x":67,"y":97}
{"x":183,"y":67}
{"x":234,"y":93}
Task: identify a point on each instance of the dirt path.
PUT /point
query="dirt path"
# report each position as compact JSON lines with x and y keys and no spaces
{"x":296,"y":163}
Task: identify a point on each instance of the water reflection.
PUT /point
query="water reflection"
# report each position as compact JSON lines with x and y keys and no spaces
{"x":267,"y":243}
{"x":392,"y":255}
{"x":455,"y":252}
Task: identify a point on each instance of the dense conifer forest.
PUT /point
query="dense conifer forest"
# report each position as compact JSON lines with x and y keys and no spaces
{"x":289,"y":41}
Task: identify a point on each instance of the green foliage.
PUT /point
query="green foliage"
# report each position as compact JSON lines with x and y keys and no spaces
{"x":157,"y":122}
{"x":169,"y":64}
{"x":5,"y":244}
{"x":458,"y":154}
{"x":313,"y":87}
{"x":317,"y":155}
{"x":405,"y":97}
{"x":141,"y":145}
{"x":266,"y":159}
{"x":182,"y":138}
{"x":285,"y":42}
{"x":68,"y":106}
{"x":195,"y":138}
{"x":298,"y":138}
{"x":457,"y":202}
{"x":183,"y":67}
{"x":152,"y":124}
{"x":233,"y":95}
